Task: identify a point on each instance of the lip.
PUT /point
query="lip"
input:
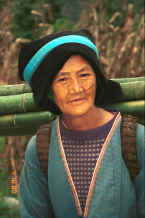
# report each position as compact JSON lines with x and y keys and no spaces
{"x":77,"y":100}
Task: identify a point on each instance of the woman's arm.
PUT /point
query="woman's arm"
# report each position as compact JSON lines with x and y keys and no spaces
{"x":33,"y":188}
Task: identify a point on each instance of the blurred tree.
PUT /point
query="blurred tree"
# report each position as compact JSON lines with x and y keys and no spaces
{"x":2,"y":4}
{"x":70,"y":14}
{"x":138,"y":5}
{"x":29,"y":15}
{"x":114,"y":6}
{"x":23,"y":21}
{"x":63,"y":14}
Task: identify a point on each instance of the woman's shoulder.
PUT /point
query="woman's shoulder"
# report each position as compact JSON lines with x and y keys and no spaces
{"x":31,"y":145}
{"x":140,"y":128}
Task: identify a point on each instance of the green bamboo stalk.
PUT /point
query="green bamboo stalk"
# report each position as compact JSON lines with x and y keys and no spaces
{"x":130,"y":107}
{"x":21,"y":103}
{"x":133,"y":90}
{"x":25,"y":120}
{"x":129,"y":80}
{"x":32,"y":119}
{"x":14,"y":89}
{"x":6,"y":90}
{"x":32,"y":130}
{"x":17,"y":104}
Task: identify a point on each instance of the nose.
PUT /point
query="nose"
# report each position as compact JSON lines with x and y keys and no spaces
{"x":75,"y":86}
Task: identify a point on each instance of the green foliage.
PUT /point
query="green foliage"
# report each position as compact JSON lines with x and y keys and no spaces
{"x":3,"y":188}
{"x":116,"y":6}
{"x":6,"y":212}
{"x":69,"y":9}
{"x":2,"y":141}
{"x":65,"y":12}
{"x":23,"y":21}
{"x":62,"y":24}
{"x":2,"y":182}
{"x":2,"y":4}
{"x":138,"y":6}
{"x":112,"y":7}
{"x":136,"y":22}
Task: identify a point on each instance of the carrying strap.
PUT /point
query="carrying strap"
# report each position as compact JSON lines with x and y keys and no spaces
{"x":128,"y":142}
{"x":42,"y":143}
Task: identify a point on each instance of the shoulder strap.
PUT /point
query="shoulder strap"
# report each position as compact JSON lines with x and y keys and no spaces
{"x":128,"y":142}
{"x":42,"y":141}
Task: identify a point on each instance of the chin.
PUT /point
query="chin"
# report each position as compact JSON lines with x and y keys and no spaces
{"x":77,"y":111}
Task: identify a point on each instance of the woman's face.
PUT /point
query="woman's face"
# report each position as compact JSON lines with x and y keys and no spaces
{"x":74,"y":87}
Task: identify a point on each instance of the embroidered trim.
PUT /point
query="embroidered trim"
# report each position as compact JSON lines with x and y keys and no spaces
{"x":96,"y":170}
{"x":77,"y":202}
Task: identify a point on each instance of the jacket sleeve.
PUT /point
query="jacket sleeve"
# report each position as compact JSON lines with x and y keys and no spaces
{"x":140,"y":179}
{"x":33,"y":193}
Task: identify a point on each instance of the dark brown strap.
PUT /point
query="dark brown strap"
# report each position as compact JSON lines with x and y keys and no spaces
{"x":43,"y":140}
{"x":128,"y":141}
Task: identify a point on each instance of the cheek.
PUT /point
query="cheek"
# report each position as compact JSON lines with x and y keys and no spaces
{"x":91,"y":84}
{"x":91,"y":91}
{"x":60,"y":97}
{"x":88,"y":84}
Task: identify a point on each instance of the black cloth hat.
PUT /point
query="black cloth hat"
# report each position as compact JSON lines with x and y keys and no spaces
{"x":107,"y":91}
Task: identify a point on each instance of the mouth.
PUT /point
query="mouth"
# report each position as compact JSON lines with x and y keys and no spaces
{"x":77,"y":100}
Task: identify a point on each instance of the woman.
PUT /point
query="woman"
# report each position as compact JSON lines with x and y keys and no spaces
{"x":87,"y":176}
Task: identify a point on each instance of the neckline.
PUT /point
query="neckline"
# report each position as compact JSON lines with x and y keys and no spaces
{"x":86,"y":133}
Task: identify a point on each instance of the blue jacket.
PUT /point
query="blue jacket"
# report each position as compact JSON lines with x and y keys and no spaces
{"x":111,"y":195}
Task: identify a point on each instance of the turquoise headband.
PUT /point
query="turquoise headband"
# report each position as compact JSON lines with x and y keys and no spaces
{"x":36,"y":60}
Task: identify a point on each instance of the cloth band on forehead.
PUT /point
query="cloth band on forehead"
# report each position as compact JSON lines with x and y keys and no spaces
{"x":39,"y":56}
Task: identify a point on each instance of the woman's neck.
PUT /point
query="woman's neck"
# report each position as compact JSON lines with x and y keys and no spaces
{"x":93,"y":118}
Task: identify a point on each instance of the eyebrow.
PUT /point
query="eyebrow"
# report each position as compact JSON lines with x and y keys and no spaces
{"x":79,"y":71}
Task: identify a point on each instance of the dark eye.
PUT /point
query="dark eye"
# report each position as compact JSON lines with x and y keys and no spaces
{"x":84,"y":74}
{"x":62,"y":79}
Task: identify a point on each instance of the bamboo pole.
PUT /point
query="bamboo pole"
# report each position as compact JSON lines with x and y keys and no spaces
{"x":25,"y":120}
{"x":32,"y":130}
{"x":130,"y":107}
{"x":14,"y":89}
{"x":17,"y":89}
{"x":133,"y":90}
{"x":20,"y":103}
{"x":17,"y":104}
{"x":20,"y":116}
{"x":34,"y":119}
{"x":129,"y":80}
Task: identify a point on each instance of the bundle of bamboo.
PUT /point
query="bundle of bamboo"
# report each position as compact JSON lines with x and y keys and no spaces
{"x":20,"y":116}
